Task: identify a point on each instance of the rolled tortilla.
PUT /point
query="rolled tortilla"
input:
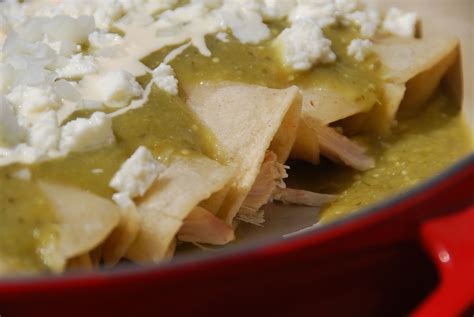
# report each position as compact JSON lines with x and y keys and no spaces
{"x":81,"y":262}
{"x":413,"y":69}
{"x":247,"y":120}
{"x":120,"y":239}
{"x":418,"y":63}
{"x":84,"y":220}
{"x":175,"y":194}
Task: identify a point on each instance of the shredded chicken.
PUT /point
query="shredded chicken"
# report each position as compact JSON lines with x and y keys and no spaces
{"x":271,"y":175}
{"x":338,"y":148}
{"x":254,"y":217}
{"x":302,"y":197}
{"x":269,"y":186}
{"x":201,"y":226}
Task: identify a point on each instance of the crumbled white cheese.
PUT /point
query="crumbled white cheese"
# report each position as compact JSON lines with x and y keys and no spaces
{"x":107,"y":13}
{"x":44,"y":134}
{"x":222,"y":36}
{"x":276,"y":9}
{"x":123,"y":200}
{"x":7,"y":77}
{"x":303,"y":45}
{"x":164,"y":77}
{"x":64,"y":48}
{"x":347,"y":6}
{"x":66,"y":90}
{"x":22,"y":153}
{"x":87,"y":134}
{"x":77,"y":67}
{"x":136,"y":175}
{"x":321,"y":12}
{"x":368,"y":21}
{"x":90,"y":105}
{"x":118,"y":88}
{"x":52,"y":8}
{"x":55,"y":46}
{"x":11,"y":133}
{"x":18,"y":51}
{"x":66,"y":28}
{"x":400,"y":23}
{"x":129,"y":5}
{"x":100,"y":40}
{"x":11,"y":16}
{"x":244,"y":19}
{"x":359,"y":49}
{"x":30,"y":101}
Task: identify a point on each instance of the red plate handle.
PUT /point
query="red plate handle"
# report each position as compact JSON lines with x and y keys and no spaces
{"x":450,"y":242}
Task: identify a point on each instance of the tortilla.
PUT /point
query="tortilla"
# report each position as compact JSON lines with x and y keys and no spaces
{"x":81,"y":262}
{"x":329,"y":106}
{"x":306,"y":146}
{"x":418,"y":63}
{"x":247,"y":120}
{"x":413,"y":70}
{"x":118,"y":242}
{"x":381,"y":118}
{"x":182,"y":186}
{"x":84,"y":219}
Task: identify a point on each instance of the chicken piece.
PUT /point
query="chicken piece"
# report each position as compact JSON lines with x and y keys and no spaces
{"x":269,"y":186}
{"x":301,"y":197}
{"x":339,"y":148}
{"x":271,"y":175}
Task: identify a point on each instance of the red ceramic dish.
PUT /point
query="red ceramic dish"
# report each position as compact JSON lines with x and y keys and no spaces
{"x":369,"y":264}
{"x":411,"y":254}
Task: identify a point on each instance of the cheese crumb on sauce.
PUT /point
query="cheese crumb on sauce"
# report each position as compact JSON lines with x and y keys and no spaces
{"x":303,"y":45}
{"x":400,"y":23}
{"x":135,"y":176}
{"x":276,"y":9}
{"x":323,"y":13}
{"x":368,"y":21}
{"x":77,"y":66}
{"x":99,"y":39}
{"x":164,"y":77}
{"x":44,"y":134}
{"x":118,"y":88}
{"x":245,"y":21}
{"x":83,"y":134}
{"x":11,"y":132}
{"x":359,"y":49}
{"x":223,"y":37}
{"x":29,"y":101}
{"x":7,"y":76}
